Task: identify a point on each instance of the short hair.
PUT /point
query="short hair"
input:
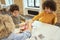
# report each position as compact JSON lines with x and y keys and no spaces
{"x":14,"y":7}
{"x":49,"y":4}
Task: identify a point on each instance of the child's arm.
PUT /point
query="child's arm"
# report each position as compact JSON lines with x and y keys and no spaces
{"x":37,"y":16}
{"x":21,"y":24}
{"x":22,"y":18}
{"x":29,"y":25}
{"x":55,"y":19}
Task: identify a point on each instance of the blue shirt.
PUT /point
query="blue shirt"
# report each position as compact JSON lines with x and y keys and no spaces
{"x":21,"y":36}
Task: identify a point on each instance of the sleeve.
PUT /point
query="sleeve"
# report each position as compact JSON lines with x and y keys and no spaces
{"x":37,"y":16}
{"x":23,"y":36}
{"x":22,"y":18}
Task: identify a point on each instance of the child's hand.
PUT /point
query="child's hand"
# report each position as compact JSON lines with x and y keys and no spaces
{"x":21,"y":24}
{"x":30,"y":22}
{"x":23,"y":27}
{"x":29,"y":25}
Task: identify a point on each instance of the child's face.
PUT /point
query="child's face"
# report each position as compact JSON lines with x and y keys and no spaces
{"x":48,"y":10}
{"x":15,"y":13}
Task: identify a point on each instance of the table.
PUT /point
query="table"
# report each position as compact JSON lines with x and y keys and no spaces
{"x":43,"y":31}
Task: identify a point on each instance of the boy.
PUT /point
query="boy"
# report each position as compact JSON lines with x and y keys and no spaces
{"x":14,"y":9}
{"x":47,"y":16}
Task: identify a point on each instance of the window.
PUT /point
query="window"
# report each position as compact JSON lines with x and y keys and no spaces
{"x":33,"y":3}
{"x":8,"y":2}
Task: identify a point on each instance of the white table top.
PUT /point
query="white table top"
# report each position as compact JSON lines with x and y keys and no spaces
{"x":49,"y":32}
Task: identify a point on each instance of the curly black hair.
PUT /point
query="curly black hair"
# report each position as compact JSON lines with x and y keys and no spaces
{"x":49,"y":4}
{"x":14,"y":7}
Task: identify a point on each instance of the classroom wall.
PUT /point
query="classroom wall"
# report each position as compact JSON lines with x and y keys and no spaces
{"x":2,"y":1}
{"x":58,"y":10}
